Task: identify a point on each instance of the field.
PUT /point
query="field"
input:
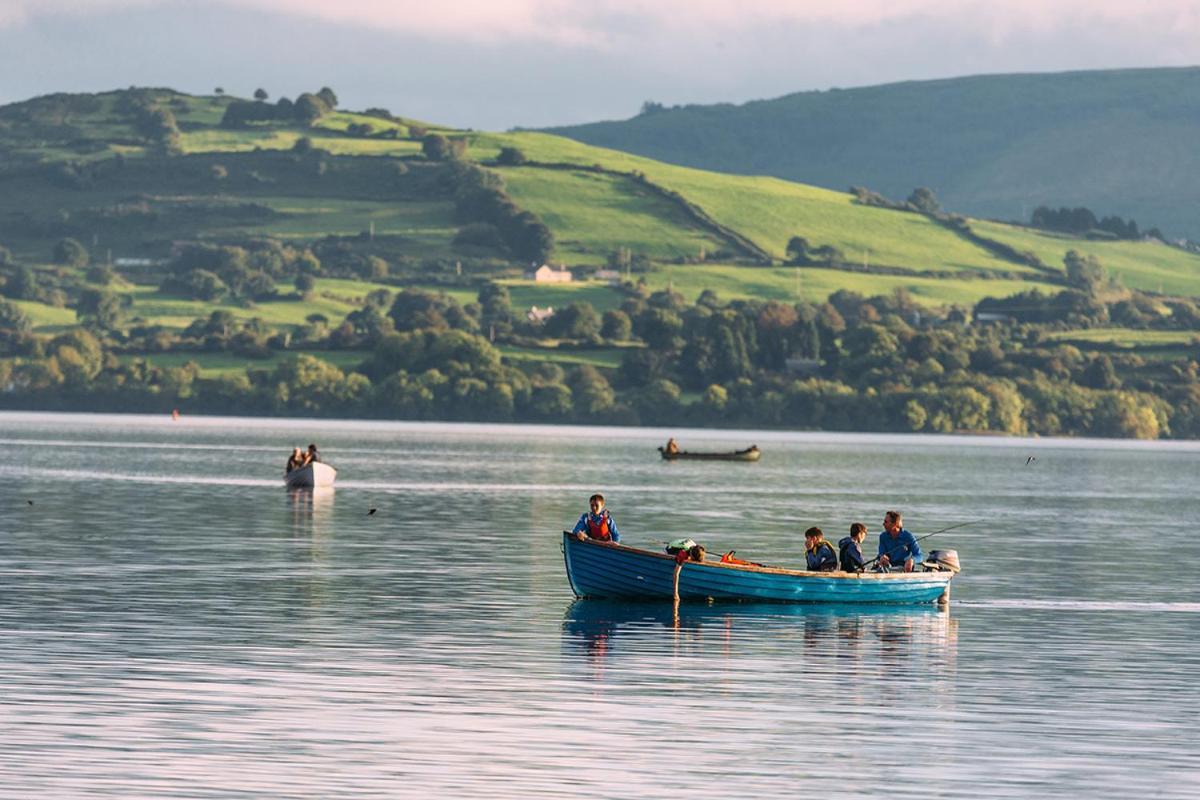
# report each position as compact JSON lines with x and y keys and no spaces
{"x":427,"y":226}
{"x":770,"y":211}
{"x":1124,"y":338}
{"x":214,"y":365}
{"x":789,"y":284}
{"x":234,"y":141}
{"x":594,"y":214}
{"x":332,"y":298}
{"x":606,"y":358}
{"x":1150,"y":265}
{"x":527,"y":293}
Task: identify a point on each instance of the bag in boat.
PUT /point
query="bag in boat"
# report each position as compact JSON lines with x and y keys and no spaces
{"x":941,"y":561}
{"x":680,"y":545}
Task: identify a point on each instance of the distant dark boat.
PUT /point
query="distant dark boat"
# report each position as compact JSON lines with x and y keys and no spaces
{"x":751,"y":453}
{"x":615,"y":571}
{"x":313,"y":476}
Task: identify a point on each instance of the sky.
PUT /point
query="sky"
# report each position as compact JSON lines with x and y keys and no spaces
{"x":496,"y":64}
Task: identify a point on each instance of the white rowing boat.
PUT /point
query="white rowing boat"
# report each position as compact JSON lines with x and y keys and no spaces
{"x":312,"y":476}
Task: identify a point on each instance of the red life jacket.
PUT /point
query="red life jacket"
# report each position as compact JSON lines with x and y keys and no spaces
{"x":599,"y":530}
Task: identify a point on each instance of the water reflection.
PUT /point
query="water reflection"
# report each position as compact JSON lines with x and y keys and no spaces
{"x":165,"y":597}
{"x":860,"y":641}
{"x":311,"y":509}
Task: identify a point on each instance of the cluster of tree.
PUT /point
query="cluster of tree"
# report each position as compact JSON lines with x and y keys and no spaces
{"x":877,"y":370}
{"x":480,"y":198}
{"x":306,"y":109}
{"x":511,"y":157}
{"x":22,"y":282}
{"x":53,"y":109}
{"x":159,"y":126}
{"x":437,"y":147}
{"x":365,"y":130}
{"x":152,"y":118}
{"x":801,"y":252}
{"x":1081,"y":221}
{"x":852,"y":363}
{"x":214,"y":272}
{"x":869,"y":197}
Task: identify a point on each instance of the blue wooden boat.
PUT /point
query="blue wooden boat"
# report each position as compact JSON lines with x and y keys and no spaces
{"x":606,"y":569}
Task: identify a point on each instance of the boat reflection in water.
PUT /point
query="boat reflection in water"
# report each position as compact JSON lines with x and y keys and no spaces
{"x":311,"y":510}
{"x":849,"y":639}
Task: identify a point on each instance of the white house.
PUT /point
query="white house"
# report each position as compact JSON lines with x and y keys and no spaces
{"x":803,"y":366}
{"x":990,"y":316}
{"x":548,"y":274}
{"x":535,"y":314}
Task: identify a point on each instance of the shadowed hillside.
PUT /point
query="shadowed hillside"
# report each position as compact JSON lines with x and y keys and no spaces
{"x":1120,"y":141}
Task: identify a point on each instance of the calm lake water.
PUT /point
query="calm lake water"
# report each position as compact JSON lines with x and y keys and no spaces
{"x":174,"y":623}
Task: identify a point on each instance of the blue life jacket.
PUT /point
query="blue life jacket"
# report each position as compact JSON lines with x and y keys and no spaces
{"x":850,"y":555}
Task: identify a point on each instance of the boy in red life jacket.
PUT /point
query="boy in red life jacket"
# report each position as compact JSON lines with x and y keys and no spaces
{"x":597,"y":523}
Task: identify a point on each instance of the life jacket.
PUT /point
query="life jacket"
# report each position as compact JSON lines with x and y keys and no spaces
{"x":599,"y":530}
{"x":826,"y":562}
{"x":728,"y":558}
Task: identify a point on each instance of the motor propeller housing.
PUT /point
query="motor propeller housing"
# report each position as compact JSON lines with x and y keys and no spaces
{"x":941,"y":560}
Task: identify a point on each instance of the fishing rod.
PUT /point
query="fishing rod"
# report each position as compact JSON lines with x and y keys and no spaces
{"x":920,"y":539}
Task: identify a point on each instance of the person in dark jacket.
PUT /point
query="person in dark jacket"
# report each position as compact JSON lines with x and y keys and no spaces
{"x":819,"y":554}
{"x":850,"y":554}
{"x":312,"y":456}
{"x":296,"y":460}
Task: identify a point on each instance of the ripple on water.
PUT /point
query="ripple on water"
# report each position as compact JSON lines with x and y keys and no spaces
{"x":175,"y":624}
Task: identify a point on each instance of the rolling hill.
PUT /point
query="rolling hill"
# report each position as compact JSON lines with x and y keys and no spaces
{"x":90,"y":168}
{"x":1117,"y":141}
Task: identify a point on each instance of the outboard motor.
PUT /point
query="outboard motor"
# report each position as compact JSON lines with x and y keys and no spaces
{"x":941,"y":561}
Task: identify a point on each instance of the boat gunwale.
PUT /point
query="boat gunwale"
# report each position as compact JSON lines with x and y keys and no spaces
{"x":935,"y":575}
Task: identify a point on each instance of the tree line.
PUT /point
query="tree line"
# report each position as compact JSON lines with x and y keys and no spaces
{"x":851,"y":363}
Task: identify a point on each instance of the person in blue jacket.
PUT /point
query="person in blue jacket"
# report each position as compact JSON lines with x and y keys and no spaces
{"x":818,"y":553}
{"x":597,"y":523}
{"x":896,"y":545}
{"x":850,"y":552}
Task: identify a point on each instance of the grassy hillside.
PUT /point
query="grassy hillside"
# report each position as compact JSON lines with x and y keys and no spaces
{"x":770,"y":211}
{"x":1117,"y":141}
{"x":1147,"y":265}
{"x":211,"y":254}
{"x":83,"y":166}
{"x":589,"y":212}
{"x":790,"y":284}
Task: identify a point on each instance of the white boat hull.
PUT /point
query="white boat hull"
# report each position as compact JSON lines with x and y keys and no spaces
{"x":312,"y":476}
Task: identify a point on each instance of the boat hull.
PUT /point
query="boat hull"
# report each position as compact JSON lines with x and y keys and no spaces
{"x":312,"y":476}
{"x":751,"y":454}
{"x":604,"y":569}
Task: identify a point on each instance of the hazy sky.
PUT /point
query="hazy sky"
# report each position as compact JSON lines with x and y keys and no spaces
{"x":503,"y":63}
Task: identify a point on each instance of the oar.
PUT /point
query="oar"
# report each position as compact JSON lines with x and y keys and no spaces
{"x":920,"y":539}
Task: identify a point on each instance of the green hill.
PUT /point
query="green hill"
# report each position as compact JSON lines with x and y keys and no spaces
{"x":1117,"y":141}
{"x":137,"y":174}
{"x":160,"y":250}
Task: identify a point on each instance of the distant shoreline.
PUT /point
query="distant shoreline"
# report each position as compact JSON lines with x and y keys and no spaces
{"x":315,"y":425}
